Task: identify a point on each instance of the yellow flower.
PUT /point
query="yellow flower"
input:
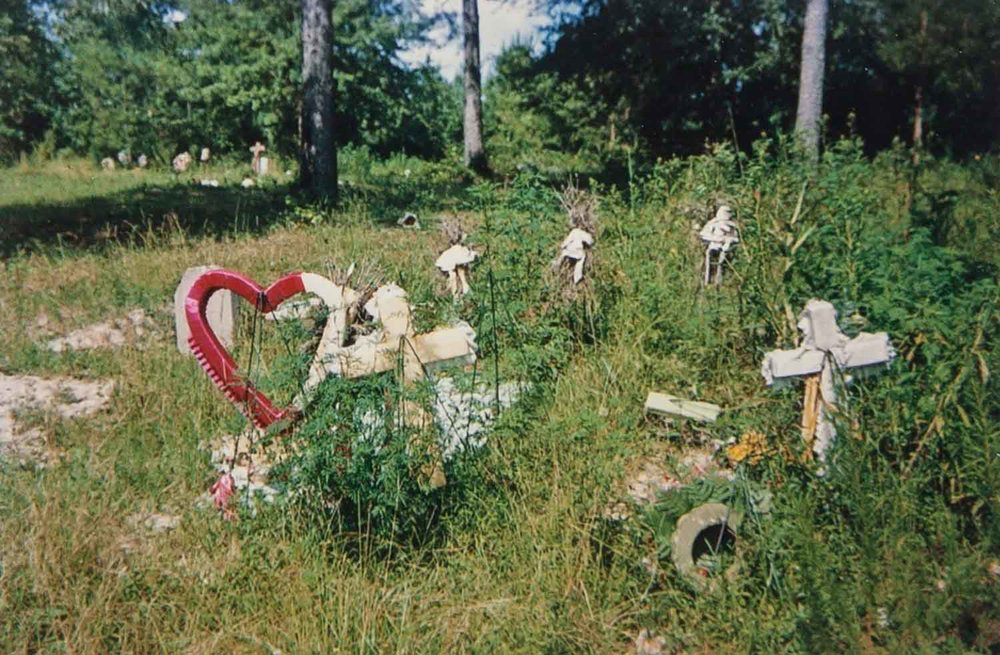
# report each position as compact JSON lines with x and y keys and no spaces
{"x":738,"y":452}
{"x":752,"y":446}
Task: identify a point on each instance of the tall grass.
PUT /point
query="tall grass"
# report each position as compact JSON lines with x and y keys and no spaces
{"x":888,"y":552}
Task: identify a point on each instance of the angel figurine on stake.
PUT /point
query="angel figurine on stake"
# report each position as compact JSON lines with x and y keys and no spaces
{"x":720,"y":234}
{"x":455,"y":261}
{"x":581,"y":207}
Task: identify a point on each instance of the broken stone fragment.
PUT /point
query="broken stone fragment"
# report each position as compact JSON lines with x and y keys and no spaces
{"x":647,"y":643}
{"x":409,"y":220}
{"x":295,"y":310}
{"x":454,"y":262}
{"x":701,"y":532}
{"x":661,"y":403}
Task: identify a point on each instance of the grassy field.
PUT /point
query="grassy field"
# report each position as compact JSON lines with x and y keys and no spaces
{"x":891,"y":551}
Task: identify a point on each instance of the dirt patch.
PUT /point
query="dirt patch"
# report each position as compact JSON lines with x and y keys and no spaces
{"x":649,"y":477}
{"x":66,"y":397}
{"x":109,"y":334}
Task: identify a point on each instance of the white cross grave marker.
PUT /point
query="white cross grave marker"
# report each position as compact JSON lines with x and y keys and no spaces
{"x":824,"y":348}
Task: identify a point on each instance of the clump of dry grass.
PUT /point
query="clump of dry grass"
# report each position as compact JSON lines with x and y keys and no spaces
{"x":580,"y":206}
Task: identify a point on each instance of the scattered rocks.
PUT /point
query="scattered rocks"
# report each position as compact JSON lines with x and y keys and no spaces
{"x":646,"y":643}
{"x":248,"y":465}
{"x":464,"y":416}
{"x":648,"y":481}
{"x":155,"y":522}
{"x":67,"y":397}
{"x":649,"y":478}
{"x":110,"y":334}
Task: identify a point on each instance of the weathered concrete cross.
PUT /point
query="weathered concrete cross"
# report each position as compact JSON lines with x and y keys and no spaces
{"x":824,"y":348}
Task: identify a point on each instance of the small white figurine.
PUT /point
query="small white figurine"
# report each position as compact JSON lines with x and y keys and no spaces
{"x":581,"y":207}
{"x":182,"y":162}
{"x":574,"y":249}
{"x":720,"y":234}
{"x":206,"y":155}
{"x":455,"y":261}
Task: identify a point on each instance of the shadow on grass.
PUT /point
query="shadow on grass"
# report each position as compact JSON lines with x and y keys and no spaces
{"x":136,"y":214}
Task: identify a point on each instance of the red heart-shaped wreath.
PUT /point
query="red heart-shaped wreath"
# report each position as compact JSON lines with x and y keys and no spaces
{"x":214,"y":357}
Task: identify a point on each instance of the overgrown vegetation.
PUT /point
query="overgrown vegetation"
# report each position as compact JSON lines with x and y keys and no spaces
{"x":890,"y":551}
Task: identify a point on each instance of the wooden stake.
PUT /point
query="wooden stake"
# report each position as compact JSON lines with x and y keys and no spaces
{"x":810,"y":412}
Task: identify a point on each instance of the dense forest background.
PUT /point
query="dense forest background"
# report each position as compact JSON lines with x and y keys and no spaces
{"x":656,"y":78}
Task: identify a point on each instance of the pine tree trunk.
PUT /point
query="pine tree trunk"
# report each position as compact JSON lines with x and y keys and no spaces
{"x":472,"y":118}
{"x":918,"y":94}
{"x":319,"y":149}
{"x":810,"y":108}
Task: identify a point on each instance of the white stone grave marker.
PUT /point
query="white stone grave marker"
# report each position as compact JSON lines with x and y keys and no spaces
{"x":223,"y":310}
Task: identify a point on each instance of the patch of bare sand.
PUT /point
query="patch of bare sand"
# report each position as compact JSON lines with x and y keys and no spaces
{"x":66,"y":397}
{"x":109,"y":334}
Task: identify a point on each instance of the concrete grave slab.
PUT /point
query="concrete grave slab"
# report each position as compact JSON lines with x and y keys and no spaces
{"x":665,"y":404}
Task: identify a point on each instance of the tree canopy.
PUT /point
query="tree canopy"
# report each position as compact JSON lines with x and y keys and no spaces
{"x":659,"y":77}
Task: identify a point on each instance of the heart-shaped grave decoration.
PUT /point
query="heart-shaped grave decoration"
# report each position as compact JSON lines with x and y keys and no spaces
{"x":219,"y":363}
